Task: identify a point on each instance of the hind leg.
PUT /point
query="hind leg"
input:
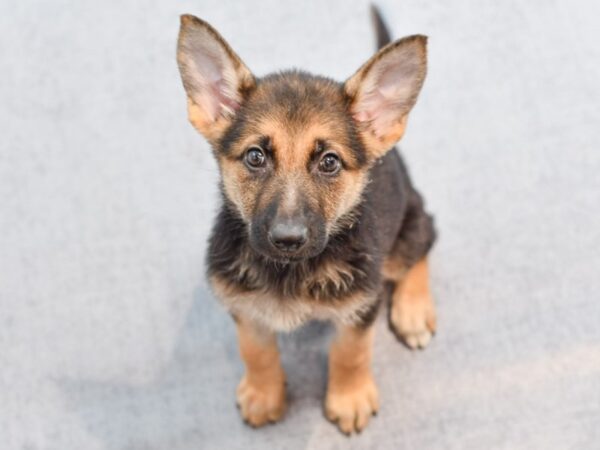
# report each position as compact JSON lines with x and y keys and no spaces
{"x":412,"y":311}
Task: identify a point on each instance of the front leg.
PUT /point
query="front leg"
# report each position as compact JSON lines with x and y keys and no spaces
{"x":352,"y":395}
{"x":261,"y":392}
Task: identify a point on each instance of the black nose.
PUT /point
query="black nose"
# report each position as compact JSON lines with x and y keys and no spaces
{"x":288,"y":236}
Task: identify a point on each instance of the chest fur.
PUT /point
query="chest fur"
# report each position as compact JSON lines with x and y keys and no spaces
{"x":282,"y":313}
{"x":285,"y":297}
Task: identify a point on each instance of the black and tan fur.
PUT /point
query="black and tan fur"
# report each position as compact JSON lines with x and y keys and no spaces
{"x":359,"y":226}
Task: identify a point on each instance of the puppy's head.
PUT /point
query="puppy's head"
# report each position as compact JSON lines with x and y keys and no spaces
{"x":294,"y":150}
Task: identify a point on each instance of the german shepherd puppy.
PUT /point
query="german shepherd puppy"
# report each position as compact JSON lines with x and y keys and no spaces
{"x":318,"y":211}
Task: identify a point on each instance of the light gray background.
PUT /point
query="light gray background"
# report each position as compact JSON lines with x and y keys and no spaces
{"x":109,"y":337}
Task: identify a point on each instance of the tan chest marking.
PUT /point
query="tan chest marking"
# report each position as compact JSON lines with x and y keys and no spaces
{"x":286,"y":314}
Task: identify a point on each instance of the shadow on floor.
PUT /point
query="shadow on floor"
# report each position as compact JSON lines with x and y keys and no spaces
{"x":191,"y":403}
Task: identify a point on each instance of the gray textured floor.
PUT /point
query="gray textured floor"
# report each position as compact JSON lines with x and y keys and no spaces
{"x":109,"y":338}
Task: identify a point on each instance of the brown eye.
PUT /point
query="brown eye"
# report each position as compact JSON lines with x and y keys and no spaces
{"x":330,"y":164}
{"x":255,"y":158}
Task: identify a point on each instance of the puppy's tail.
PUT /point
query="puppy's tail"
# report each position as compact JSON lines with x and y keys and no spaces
{"x":382,"y":33}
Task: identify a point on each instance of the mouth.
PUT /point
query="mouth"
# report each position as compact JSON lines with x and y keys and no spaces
{"x":286,"y":259}
{"x":280,"y":257}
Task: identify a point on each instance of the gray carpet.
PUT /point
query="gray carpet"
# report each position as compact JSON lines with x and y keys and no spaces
{"x":109,"y":337}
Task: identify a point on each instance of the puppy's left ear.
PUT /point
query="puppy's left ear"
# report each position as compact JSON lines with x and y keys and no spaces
{"x":214,"y":77}
{"x":384,"y":90}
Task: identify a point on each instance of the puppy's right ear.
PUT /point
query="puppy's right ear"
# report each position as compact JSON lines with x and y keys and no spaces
{"x":214,"y":77}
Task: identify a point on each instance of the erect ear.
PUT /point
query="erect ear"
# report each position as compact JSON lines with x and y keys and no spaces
{"x":384,"y":90}
{"x":214,"y":77}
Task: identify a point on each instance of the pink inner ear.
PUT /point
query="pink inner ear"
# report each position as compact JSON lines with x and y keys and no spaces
{"x":220,"y":91}
{"x":380,"y":110}
{"x":212,"y":90}
{"x":387,"y":92}
{"x":362,"y":116}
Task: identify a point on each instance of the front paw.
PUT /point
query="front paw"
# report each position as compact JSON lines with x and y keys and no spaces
{"x":352,"y":405}
{"x":261,"y":403}
{"x":413,"y":319}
